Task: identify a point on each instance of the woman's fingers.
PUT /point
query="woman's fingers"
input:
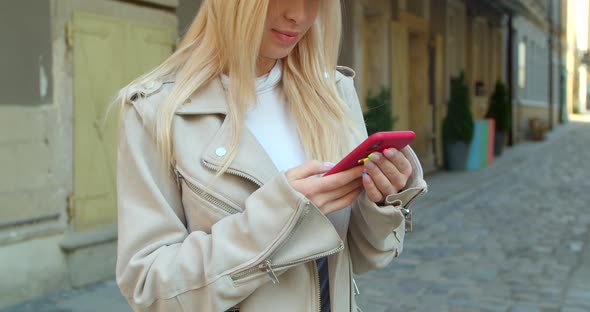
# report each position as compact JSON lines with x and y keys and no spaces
{"x":387,"y":173}
{"x":340,"y":179}
{"x":374,"y":169}
{"x":325,"y":198}
{"x":401,"y":163}
{"x":308,"y":169}
{"x":342,"y":202}
{"x":331,"y":191}
{"x":371,"y":189}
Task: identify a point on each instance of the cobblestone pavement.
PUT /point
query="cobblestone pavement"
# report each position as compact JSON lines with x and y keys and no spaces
{"x":513,"y":237}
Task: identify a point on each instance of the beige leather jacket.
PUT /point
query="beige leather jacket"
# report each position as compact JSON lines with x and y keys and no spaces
{"x":248,"y":242}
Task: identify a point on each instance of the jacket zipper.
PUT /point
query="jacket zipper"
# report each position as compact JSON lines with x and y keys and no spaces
{"x":268,"y":266}
{"x":409,"y":203}
{"x":216,"y":202}
{"x":316,"y":276}
{"x":414,"y":198}
{"x":356,"y":288}
{"x":233,"y":172}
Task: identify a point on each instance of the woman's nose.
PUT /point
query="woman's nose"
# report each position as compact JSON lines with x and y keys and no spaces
{"x":295,"y":10}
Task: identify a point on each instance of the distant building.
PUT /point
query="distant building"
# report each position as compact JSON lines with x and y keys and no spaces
{"x":578,"y":58}
{"x":539,"y":69}
{"x":414,"y":47}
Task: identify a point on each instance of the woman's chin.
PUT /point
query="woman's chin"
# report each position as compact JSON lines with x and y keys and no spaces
{"x":279,"y":53}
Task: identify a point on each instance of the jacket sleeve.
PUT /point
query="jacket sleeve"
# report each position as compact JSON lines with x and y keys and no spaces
{"x":376,"y":233}
{"x":161,"y":266}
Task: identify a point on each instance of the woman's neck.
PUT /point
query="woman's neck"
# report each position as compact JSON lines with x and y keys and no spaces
{"x":264,"y":66}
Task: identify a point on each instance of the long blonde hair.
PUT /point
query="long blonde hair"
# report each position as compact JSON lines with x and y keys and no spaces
{"x":225,"y":36}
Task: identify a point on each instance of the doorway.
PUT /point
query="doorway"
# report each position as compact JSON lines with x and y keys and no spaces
{"x":412,"y":88}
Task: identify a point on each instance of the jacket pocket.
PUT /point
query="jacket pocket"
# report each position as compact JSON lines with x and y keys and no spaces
{"x":202,"y":208}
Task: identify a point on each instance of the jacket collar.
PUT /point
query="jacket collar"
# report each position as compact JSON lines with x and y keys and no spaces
{"x":211,"y":99}
{"x":251,"y":161}
{"x":208,"y":100}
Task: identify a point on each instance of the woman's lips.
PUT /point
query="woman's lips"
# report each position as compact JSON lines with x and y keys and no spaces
{"x":286,"y":37}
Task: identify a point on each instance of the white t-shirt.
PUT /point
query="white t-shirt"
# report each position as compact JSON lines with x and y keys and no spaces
{"x":271,"y":121}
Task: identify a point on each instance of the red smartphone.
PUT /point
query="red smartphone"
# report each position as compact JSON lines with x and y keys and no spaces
{"x":377,"y":142}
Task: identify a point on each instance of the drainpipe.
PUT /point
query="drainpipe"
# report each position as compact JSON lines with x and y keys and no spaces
{"x":510,"y":76}
{"x":550,"y":80}
{"x":561,"y":88}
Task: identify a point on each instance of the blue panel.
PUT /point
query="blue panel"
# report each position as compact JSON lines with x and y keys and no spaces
{"x":474,"y":158}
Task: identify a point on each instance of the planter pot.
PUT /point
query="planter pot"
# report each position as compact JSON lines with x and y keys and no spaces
{"x":499,"y":141}
{"x":537,"y":129}
{"x":456,"y":156}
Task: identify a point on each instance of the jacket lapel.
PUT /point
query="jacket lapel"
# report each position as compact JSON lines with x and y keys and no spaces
{"x":251,"y":161}
{"x":207,"y":100}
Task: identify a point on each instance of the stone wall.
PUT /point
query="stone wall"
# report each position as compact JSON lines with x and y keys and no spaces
{"x":40,"y":252}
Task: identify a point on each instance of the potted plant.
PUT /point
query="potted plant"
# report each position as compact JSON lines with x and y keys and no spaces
{"x":499,"y":110}
{"x":378,"y":114}
{"x":458,"y":125}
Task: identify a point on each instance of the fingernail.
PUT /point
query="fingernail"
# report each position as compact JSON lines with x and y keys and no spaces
{"x":388,"y":152}
{"x":329,"y":164}
{"x":374,"y":156}
{"x":365,"y":174}
{"x":369,"y":165}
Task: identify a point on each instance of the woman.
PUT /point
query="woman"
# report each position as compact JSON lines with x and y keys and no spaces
{"x":221,"y":203}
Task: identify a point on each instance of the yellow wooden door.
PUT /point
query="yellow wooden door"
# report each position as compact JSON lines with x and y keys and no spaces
{"x":150,"y":46}
{"x":108,"y":52}
{"x":400,"y":76}
{"x":420,"y":110}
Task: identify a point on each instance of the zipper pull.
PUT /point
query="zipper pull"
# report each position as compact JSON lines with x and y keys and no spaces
{"x":356,"y":289}
{"x":266,"y":266}
{"x":178,"y":178}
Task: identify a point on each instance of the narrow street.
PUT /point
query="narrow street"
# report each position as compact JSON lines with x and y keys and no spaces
{"x":513,"y":237}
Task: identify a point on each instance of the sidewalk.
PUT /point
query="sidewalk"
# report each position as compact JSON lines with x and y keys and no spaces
{"x":513,"y":237}
{"x":101,"y":297}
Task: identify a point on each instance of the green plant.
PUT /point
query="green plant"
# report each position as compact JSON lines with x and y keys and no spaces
{"x":378,"y":114}
{"x":499,"y":108}
{"x":458,"y":124}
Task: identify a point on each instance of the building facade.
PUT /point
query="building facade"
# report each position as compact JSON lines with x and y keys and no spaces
{"x":416,"y":47}
{"x":538,"y":72}
{"x":57,"y":184}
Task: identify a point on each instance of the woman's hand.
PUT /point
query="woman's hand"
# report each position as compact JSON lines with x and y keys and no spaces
{"x":385,"y":174}
{"x":330,"y":193}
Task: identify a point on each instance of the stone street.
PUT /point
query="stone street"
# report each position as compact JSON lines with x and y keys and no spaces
{"x":513,"y":237}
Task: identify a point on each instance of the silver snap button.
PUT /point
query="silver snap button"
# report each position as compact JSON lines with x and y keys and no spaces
{"x":220,"y":151}
{"x":151,"y":85}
